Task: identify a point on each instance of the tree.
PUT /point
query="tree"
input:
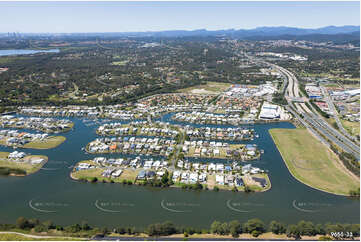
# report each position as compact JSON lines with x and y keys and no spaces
{"x":165,"y":178}
{"x":104,"y":231}
{"x":197,"y":186}
{"x":224,"y":229}
{"x":320,"y":229}
{"x":75,"y":228}
{"x":277,"y":227}
{"x":120,"y":230}
{"x":235,"y":228}
{"x":167,"y":228}
{"x":40,"y":228}
{"x":334,"y":228}
{"x":306,"y":228}
{"x":216,"y":227}
{"x":85,"y":226}
{"x":33,"y":222}
{"x":131,"y":230}
{"x":355,"y":230}
{"x":22,"y":223}
{"x":49,"y":224}
{"x":247,"y":189}
{"x":292,"y":231}
{"x":254,"y":226}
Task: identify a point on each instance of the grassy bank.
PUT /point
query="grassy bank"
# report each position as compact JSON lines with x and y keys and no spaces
{"x":312,"y":163}
{"x":352,"y":127}
{"x":90,"y":174}
{"x":20,"y":237}
{"x":12,"y":168}
{"x":47,"y":143}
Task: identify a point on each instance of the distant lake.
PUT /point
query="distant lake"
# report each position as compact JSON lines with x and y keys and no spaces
{"x":26,"y":52}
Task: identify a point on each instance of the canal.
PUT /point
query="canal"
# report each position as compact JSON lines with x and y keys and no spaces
{"x":51,"y":194}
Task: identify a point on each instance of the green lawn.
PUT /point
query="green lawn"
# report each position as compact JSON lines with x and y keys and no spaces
{"x":311,"y":162}
{"x":26,"y":166}
{"x":352,"y":127}
{"x":48,"y":143}
{"x":127,"y":174}
{"x":209,"y":88}
{"x":18,"y":237}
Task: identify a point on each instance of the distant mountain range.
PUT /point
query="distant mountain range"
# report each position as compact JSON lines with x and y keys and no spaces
{"x":330,"y":33}
{"x":260,"y":31}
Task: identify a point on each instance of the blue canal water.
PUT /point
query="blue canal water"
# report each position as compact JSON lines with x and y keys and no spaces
{"x":51,"y":194}
{"x":25,"y":52}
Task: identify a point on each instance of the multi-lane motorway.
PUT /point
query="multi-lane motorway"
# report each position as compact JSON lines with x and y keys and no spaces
{"x":312,"y":120}
{"x":335,"y":115}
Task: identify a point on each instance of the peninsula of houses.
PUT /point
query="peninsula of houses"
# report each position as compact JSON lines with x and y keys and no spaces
{"x":18,"y":139}
{"x":47,"y":125}
{"x":155,"y":172}
{"x":19,"y":163}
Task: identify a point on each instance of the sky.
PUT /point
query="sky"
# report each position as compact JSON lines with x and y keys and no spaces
{"x":69,"y":17}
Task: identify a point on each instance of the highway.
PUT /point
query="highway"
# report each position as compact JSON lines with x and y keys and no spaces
{"x":312,"y":120}
{"x":335,"y":115}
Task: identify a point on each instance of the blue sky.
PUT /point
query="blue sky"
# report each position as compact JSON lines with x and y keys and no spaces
{"x":67,"y":17}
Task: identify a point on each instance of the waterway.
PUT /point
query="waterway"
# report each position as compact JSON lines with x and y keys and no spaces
{"x":51,"y":194}
{"x":25,"y":52}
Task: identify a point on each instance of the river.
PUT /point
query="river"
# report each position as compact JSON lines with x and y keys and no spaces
{"x":51,"y":194}
{"x":25,"y":52}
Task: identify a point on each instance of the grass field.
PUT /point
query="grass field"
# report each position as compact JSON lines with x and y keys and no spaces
{"x":209,"y":88}
{"x":312,"y":163}
{"x":211,"y":183}
{"x":352,"y":127}
{"x":120,"y":63}
{"x":48,"y":143}
{"x":18,"y":237}
{"x":127,"y":174}
{"x":26,"y":166}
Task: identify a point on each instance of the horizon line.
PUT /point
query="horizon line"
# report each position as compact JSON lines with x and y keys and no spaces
{"x":168,"y":30}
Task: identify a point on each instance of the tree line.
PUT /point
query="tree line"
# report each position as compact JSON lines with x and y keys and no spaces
{"x":235,"y":228}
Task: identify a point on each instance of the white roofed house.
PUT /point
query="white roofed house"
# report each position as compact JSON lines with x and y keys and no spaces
{"x":211,"y":167}
{"x":219,"y":167}
{"x":220,"y":179}
{"x":117,"y":173}
{"x":185,"y":177}
{"x":83,"y":166}
{"x":216,"y":152}
{"x":176,"y":175}
{"x":246,"y":168}
{"x":16,"y":155}
{"x":202,"y":177}
{"x":193,"y":177}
